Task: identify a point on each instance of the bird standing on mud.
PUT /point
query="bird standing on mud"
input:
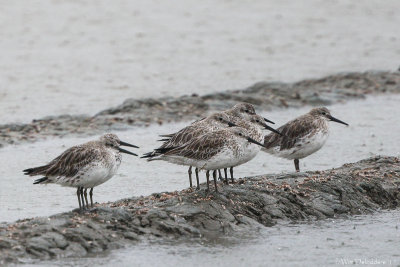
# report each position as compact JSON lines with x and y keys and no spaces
{"x":84,"y":166}
{"x":215,"y":121}
{"x":242,"y":113}
{"x":301,"y":137}
{"x":213,"y":151}
{"x":254,"y":126}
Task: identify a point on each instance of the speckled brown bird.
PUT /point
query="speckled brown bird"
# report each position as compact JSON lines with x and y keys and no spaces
{"x":213,"y":151}
{"x":214,"y":122}
{"x":302,"y":136}
{"x":84,"y":166}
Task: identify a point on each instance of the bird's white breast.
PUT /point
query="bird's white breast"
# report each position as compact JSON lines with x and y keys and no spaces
{"x":304,"y":146}
{"x":223,"y":159}
{"x":250,"y":150}
{"x":94,"y":173}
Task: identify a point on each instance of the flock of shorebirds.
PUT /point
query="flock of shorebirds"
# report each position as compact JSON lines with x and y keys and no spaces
{"x":218,"y":142}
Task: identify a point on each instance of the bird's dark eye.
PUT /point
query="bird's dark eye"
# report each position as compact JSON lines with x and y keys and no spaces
{"x":324,"y":113}
{"x":240,"y":134}
{"x":220,"y":119}
{"x":257,"y":120}
{"x":246,"y":110}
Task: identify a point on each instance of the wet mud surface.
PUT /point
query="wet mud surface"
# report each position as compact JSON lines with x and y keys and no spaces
{"x":250,"y":204}
{"x":265,"y":96}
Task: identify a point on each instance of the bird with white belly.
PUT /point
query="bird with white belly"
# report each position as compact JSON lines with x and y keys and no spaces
{"x":84,"y":166}
{"x":254,"y":126}
{"x":302,"y":136}
{"x":213,"y":151}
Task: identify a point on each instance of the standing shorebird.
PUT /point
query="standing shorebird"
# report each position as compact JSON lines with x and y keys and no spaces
{"x":84,"y":166}
{"x":241,"y":112}
{"x":212,"y":151}
{"x":302,"y":136}
{"x":211,"y":123}
{"x":254,"y":126}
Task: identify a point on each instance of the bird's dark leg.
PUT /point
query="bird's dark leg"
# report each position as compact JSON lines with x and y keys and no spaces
{"x":208,"y":180}
{"x":190,"y":176}
{"x":83,"y":201}
{"x":87,"y":202}
{"x":215,"y":180}
{"x":197,"y":178}
{"x":296,"y":165}
{"x":226,"y":176}
{"x":91,"y":196}
{"x":220,"y":175}
{"x":79,"y":197}
{"x":231,"y":170}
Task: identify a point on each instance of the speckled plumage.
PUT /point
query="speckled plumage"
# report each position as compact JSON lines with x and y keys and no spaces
{"x":242,"y":114}
{"x":83,"y":166}
{"x":74,"y":166}
{"x":254,"y":127}
{"x":302,"y":136}
{"x":241,"y":111}
{"x":213,"y":150}
{"x":211,"y":123}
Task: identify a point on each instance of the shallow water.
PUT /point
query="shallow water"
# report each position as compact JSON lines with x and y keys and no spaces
{"x":374,"y":128}
{"x":359,"y":240}
{"x":83,"y":56}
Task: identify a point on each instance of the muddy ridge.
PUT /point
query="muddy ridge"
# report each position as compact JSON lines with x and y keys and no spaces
{"x":265,"y":96}
{"x":249,"y":204}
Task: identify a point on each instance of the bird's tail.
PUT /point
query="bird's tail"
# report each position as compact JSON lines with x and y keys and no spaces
{"x":41,"y":180}
{"x":149,"y":155}
{"x":167,"y":135}
{"x":164,"y":140}
{"x":154,"y":155}
{"x":35,"y":171}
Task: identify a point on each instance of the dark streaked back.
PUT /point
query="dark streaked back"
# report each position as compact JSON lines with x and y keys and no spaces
{"x":292,"y":132}
{"x":70,"y":162}
{"x":202,"y":148}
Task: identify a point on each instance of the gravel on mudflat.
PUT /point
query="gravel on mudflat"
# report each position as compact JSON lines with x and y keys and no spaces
{"x":265,"y":96}
{"x":243,"y":207}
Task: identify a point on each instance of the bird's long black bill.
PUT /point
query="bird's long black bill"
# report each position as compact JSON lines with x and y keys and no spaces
{"x":231,"y":124}
{"x":251,"y":140}
{"x":272,"y":129}
{"x":337,"y":120}
{"x":121,"y":143}
{"x":126,"y":151}
{"x":267,"y":120}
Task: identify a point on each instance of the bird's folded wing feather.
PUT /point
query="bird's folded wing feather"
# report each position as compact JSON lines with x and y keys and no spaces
{"x":70,"y":162}
{"x":202,"y":148}
{"x":291,"y":132}
{"x":182,"y":137}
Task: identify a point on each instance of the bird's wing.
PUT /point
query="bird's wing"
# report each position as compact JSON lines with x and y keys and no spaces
{"x":201,"y":148}
{"x":183,"y":136}
{"x":291,"y":132}
{"x":71,"y":161}
{"x":182,"y":130}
